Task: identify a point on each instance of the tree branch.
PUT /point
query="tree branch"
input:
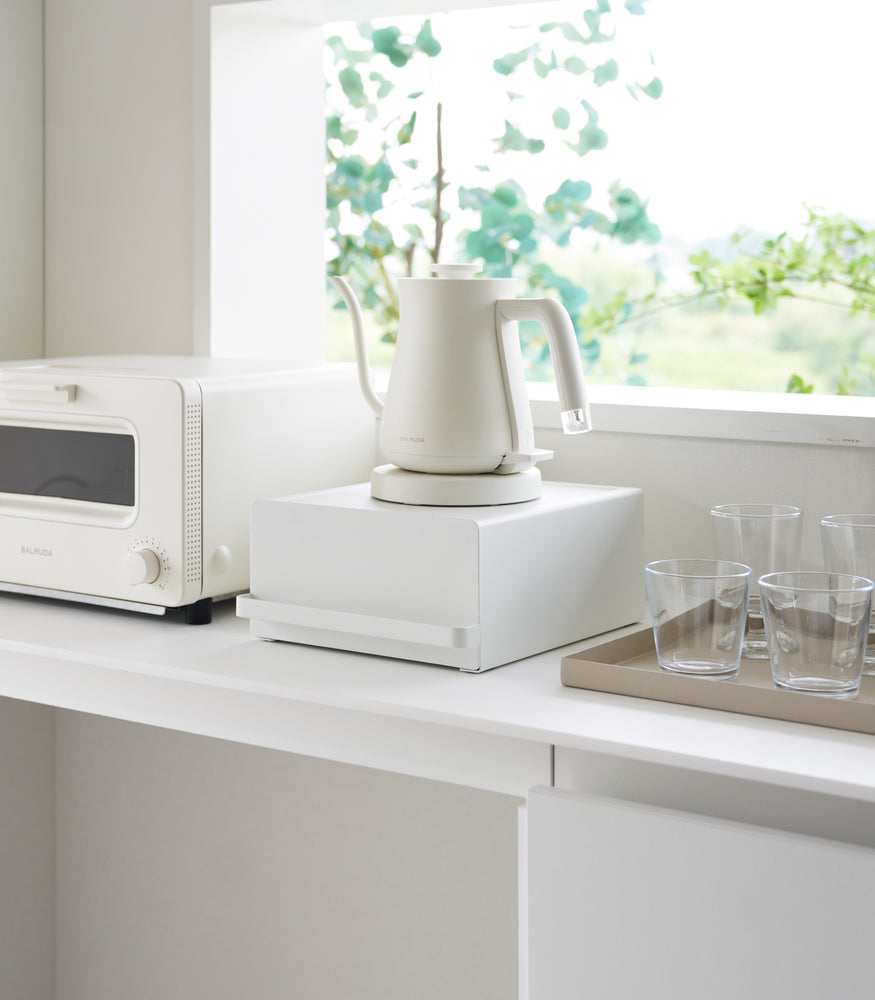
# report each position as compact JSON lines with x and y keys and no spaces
{"x":439,"y":190}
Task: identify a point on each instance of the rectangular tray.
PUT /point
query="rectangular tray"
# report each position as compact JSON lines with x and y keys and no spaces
{"x":629,"y":666}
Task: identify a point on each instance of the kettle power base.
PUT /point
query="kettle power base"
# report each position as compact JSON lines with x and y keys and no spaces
{"x":388,"y":482}
{"x":466,"y":587}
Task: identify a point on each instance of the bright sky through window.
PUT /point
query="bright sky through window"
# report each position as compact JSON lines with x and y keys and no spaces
{"x":766,"y":105}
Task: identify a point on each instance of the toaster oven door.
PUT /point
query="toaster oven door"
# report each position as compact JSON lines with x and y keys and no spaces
{"x":100,"y":486}
{"x":94,"y":466}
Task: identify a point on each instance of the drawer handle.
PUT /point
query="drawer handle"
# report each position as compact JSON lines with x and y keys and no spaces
{"x":424,"y":633}
{"x":36,"y":392}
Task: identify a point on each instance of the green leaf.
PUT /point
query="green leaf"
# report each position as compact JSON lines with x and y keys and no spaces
{"x":542,"y":68}
{"x":372,"y":201}
{"x":631,"y":224}
{"x":606,"y":73}
{"x":593,"y":22}
{"x":426,"y":42}
{"x":352,"y":167}
{"x":506,"y":64}
{"x":653,"y":89}
{"x":635,"y":6}
{"x":405,"y":133}
{"x":353,"y":86}
{"x":386,"y":42}
{"x":561,"y":118}
{"x":333,"y":127}
{"x":590,"y":138}
{"x":575,"y":65}
{"x":507,"y":194}
{"x":383,"y":174}
{"x":514,"y":140}
{"x":797,"y":384}
{"x":337,"y":46}
{"x":384,"y":86}
{"x":570,"y":195}
{"x":566,"y":27}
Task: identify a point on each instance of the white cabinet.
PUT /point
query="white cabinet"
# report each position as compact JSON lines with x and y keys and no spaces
{"x":631,"y":898}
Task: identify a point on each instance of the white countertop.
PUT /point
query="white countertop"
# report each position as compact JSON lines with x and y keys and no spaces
{"x":494,"y":730}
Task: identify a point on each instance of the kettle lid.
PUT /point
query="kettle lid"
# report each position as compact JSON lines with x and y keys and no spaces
{"x":455,"y":270}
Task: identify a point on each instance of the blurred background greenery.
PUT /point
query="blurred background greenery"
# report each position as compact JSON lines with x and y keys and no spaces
{"x":507,"y":163}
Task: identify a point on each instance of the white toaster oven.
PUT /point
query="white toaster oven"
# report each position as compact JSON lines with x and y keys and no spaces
{"x":127,"y":481}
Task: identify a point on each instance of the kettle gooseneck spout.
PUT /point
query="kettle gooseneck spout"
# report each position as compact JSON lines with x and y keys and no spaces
{"x":361,"y":347}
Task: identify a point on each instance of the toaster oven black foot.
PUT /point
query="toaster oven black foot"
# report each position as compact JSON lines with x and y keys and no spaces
{"x":199,"y":613}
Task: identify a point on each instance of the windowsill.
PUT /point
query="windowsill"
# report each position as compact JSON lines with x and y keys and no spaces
{"x":699,"y":413}
{"x":778,"y":417}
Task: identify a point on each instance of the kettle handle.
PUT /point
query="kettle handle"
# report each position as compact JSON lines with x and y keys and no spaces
{"x":564,"y":353}
{"x":361,"y":347}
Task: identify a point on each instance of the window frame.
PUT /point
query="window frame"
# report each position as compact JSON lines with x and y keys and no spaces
{"x":752,"y":416}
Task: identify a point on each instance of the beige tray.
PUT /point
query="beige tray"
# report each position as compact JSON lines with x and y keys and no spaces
{"x":628,"y":666}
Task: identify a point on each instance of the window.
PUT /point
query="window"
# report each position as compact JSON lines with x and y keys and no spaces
{"x":706,"y":120}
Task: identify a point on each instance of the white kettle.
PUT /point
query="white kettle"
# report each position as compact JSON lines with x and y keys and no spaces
{"x":456,"y":422}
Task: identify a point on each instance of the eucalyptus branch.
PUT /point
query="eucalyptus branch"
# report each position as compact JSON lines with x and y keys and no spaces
{"x":392,"y":306}
{"x":439,"y":190}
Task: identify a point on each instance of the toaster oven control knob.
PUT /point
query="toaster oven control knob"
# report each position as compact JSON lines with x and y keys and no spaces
{"x":142,"y":566}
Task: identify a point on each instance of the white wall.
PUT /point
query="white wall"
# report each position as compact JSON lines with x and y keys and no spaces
{"x":119,"y":176}
{"x":683,"y":477}
{"x":179,"y":220}
{"x":21,"y":180}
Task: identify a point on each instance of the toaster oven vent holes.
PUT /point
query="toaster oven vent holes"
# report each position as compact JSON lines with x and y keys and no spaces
{"x":192,"y":568}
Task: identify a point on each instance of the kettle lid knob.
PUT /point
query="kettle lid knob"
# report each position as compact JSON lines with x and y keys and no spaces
{"x":455,"y":270}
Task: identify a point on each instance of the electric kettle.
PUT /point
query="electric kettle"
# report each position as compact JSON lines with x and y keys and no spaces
{"x":456,"y":423}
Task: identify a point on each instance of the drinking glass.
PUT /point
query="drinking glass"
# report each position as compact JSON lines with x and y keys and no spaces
{"x":698,"y":609}
{"x":766,"y":537}
{"x":848,"y":542}
{"x":816,"y":626}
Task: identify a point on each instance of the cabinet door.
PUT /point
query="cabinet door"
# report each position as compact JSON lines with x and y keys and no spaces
{"x":627,"y":900}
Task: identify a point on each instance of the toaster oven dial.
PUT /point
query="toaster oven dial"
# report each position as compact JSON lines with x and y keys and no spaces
{"x":142,"y":566}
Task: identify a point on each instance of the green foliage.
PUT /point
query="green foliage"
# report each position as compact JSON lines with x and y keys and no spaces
{"x":373,"y":91}
{"x":513,"y":139}
{"x":832,"y":263}
{"x":362,"y":178}
{"x":506,"y":64}
{"x":833,"y":251}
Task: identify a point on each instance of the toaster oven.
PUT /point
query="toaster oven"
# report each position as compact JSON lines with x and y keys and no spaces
{"x":126,"y":481}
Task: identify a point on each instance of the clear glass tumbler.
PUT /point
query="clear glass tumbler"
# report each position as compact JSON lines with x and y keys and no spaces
{"x":848,"y":542}
{"x":698,"y":609}
{"x":816,"y":626}
{"x":768,"y":538}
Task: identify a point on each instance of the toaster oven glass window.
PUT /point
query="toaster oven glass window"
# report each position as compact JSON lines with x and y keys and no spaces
{"x":73,"y":465}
